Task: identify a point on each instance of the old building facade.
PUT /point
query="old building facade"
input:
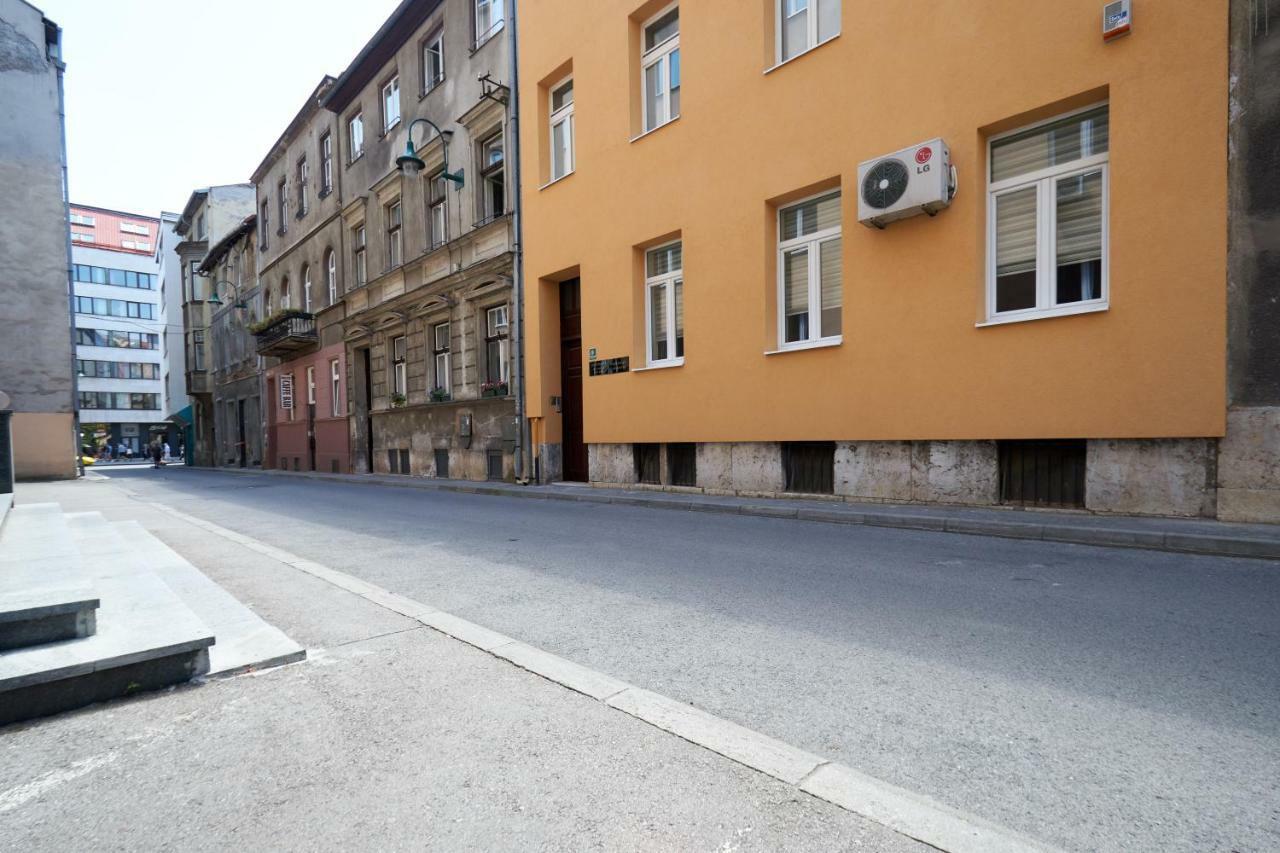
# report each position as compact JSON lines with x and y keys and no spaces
{"x":427,"y":260}
{"x":210,"y":214}
{"x":230,"y":268}
{"x":1053,"y":334}
{"x":300,"y":234}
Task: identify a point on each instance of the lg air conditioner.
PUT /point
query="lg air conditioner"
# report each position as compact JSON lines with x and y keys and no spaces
{"x":914,"y":180}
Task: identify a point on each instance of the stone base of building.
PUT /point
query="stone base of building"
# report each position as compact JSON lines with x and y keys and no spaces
{"x":471,"y":440}
{"x":1236,"y":478}
{"x":44,"y":446}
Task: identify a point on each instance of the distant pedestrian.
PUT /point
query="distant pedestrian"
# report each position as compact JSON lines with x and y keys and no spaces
{"x":157,"y":450}
{"x":128,"y":454}
{"x":166,"y":450}
{"x":182,"y":452}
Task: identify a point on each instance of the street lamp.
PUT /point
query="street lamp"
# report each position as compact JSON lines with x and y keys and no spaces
{"x":410,"y":164}
{"x":239,"y":303}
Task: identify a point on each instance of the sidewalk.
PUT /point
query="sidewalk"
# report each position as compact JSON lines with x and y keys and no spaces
{"x":1191,"y":535}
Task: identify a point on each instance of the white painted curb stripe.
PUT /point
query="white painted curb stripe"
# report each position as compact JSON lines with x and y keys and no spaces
{"x":903,"y":811}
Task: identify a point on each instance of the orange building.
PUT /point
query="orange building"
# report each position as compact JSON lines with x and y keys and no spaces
{"x":711,"y":303}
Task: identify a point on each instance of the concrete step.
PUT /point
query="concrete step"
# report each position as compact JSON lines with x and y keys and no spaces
{"x":244,"y":640}
{"x":146,"y":636}
{"x":36,"y":616}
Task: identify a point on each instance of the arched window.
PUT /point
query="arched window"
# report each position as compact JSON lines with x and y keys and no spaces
{"x":331,"y":275}
{"x":266,"y":304}
{"x":306,"y":289}
{"x":285,"y":302}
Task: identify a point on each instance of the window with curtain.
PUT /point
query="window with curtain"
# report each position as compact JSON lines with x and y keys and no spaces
{"x":433,"y":61}
{"x":489,"y":17}
{"x":440,"y":353}
{"x":805,"y":24}
{"x":562,"y":129}
{"x":664,"y":305}
{"x":399,"y":365}
{"x":437,"y":209}
{"x":810,"y":271}
{"x":496,"y":343}
{"x":395,"y":248}
{"x":1047,"y":217}
{"x":391,"y":103}
{"x":306,"y":289}
{"x":660,"y":68}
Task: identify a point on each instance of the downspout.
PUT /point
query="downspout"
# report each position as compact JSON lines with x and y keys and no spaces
{"x":66,"y":217}
{"x":517,"y":316}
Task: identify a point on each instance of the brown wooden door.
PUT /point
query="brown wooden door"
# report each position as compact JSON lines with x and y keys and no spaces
{"x":573,"y":448}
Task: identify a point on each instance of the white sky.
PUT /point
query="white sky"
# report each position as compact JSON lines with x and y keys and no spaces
{"x":164,"y":97}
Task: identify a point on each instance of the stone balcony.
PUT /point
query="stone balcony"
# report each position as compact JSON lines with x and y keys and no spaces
{"x":287,"y":335}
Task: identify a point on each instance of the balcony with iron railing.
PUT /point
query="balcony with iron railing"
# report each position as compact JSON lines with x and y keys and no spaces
{"x":286,"y":334}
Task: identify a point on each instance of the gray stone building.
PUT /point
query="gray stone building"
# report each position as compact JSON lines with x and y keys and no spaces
{"x":210,"y":214}
{"x":301,"y":281}
{"x":1248,"y":457}
{"x":429,"y":256}
{"x":230,"y":269}
{"x":36,"y":372}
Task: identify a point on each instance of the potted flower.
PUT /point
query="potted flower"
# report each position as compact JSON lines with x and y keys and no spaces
{"x":439,"y":395}
{"x":398,"y":400}
{"x":493,"y":389}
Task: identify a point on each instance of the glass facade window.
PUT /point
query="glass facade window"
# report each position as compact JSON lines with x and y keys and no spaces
{"x":124,"y":400}
{"x":114,"y":308}
{"x":87,"y":274}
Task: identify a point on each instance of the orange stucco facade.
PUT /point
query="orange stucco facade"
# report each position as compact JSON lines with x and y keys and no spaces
{"x":915,"y":361}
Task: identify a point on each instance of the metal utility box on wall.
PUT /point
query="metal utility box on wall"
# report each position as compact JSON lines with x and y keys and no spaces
{"x":905,"y":183}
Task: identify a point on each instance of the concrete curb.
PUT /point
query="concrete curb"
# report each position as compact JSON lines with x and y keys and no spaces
{"x":905,"y":812}
{"x":1219,"y":545}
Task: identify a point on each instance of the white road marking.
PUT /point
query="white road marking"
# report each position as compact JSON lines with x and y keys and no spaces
{"x":17,"y":796}
{"x":906,"y":812}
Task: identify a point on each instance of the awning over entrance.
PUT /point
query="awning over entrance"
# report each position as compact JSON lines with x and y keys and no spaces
{"x":182,"y":418}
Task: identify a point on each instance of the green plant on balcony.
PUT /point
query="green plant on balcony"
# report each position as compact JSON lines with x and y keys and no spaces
{"x":494,"y":389}
{"x":398,"y":400}
{"x":266,"y":323}
{"x":439,"y":395}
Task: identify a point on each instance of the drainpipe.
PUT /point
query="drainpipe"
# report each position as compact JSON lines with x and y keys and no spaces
{"x":66,"y":216}
{"x":517,"y":316}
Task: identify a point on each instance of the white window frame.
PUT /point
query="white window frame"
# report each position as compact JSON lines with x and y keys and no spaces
{"x":331,"y":275}
{"x":667,"y":280}
{"x":306,"y":289}
{"x":811,"y":28}
{"x":813,"y":244}
{"x":395,"y":234}
{"x":359,"y":255}
{"x":433,"y":44}
{"x":442,"y":361}
{"x":355,"y":136}
{"x":438,"y":210}
{"x":487,"y":171}
{"x":1045,"y":181}
{"x":326,"y":163}
{"x":286,"y":300}
{"x":501,"y":333}
{"x":304,"y":176}
{"x":335,"y":388}
{"x":400,"y":366}
{"x":659,"y":54}
{"x":495,"y":21}
{"x":562,"y":117}
{"x":391,"y":103}
{"x":311,"y":385}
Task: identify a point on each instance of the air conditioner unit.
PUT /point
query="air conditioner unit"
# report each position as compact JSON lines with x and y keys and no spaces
{"x":915,"y":180}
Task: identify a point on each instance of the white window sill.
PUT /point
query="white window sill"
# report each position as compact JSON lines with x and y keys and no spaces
{"x":666,"y":123}
{"x":821,"y":343}
{"x":802,"y":53}
{"x":1064,"y":311}
{"x":660,"y":365}
{"x":557,"y":180}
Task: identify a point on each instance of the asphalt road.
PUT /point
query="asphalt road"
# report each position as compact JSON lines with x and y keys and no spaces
{"x":1096,"y":699}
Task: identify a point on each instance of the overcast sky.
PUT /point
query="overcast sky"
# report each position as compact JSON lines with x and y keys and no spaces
{"x":165,"y":97}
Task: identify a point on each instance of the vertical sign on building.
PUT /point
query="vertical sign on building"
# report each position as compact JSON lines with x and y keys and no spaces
{"x":286,"y":391}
